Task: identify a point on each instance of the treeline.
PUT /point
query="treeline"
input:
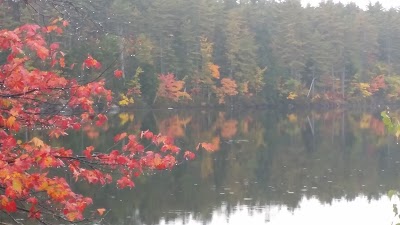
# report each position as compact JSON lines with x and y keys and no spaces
{"x":209,"y":52}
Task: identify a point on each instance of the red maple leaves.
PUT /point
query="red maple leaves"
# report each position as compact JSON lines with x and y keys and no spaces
{"x":90,"y":62}
{"x":118,"y":73}
{"x":31,"y":96}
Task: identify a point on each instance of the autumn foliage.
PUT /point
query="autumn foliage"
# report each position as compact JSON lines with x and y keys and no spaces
{"x":368,"y":89}
{"x":33,"y":96}
{"x":228,"y":88}
{"x":171,"y":88}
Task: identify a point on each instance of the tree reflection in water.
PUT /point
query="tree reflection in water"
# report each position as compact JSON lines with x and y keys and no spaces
{"x":263,"y":161}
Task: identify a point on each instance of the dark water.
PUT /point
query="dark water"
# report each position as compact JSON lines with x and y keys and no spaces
{"x":269,"y":168}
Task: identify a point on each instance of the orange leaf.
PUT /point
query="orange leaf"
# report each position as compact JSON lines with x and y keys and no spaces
{"x":10,"y":121}
{"x":37,"y":142}
{"x":119,"y":137}
{"x":57,"y":133}
{"x":72,"y":216}
{"x":51,"y":28}
{"x":101,"y":211}
{"x":214,"y":70}
{"x":207,"y":146}
{"x":42,"y":52}
{"x":62,"y":62}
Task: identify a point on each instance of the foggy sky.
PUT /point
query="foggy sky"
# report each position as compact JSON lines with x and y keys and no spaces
{"x":362,"y":3}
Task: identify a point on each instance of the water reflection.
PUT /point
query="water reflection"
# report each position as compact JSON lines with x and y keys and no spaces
{"x":310,"y":211}
{"x":266,"y":167}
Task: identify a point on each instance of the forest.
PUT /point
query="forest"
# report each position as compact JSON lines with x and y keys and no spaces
{"x":79,"y":82}
{"x":212,"y":53}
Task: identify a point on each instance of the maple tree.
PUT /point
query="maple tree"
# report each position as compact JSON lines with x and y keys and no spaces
{"x":34,"y":96}
{"x":369,"y":89}
{"x":171,"y":88}
{"x":228,"y":88}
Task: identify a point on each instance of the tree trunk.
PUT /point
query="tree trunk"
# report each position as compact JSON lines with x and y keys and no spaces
{"x":343,"y":77}
{"x":122,"y":52}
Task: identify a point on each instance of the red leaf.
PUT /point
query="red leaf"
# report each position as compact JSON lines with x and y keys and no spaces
{"x":88,"y":151}
{"x":11,"y":206}
{"x":90,"y":62}
{"x":118,"y":73}
{"x":76,"y":126}
{"x":147,"y":134}
{"x":189,"y":155}
{"x":34,"y":213}
{"x":125,"y":182}
{"x":7,"y":204}
{"x":54,"y":46}
{"x":101,"y":120}
{"x":65,"y":23}
{"x":32,"y":200}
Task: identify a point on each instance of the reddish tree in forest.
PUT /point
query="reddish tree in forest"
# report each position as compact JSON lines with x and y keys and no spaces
{"x":377,"y":83}
{"x":228,"y":88}
{"x":34,"y":97}
{"x":171,"y":88}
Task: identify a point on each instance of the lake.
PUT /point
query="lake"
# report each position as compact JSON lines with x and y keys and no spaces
{"x":268,"y":167}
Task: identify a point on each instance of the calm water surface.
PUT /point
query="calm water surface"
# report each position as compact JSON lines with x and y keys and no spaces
{"x":269,"y":167}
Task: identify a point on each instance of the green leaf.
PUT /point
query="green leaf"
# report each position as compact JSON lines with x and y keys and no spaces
{"x":386,"y":119}
{"x":391,"y":193}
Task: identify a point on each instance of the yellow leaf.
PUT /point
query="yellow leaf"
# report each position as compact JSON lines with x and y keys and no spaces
{"x":397,"y":133}
{"x":365,"y":121}
{"x":364,"y":88}
{"x":124,"y":117}
{"x":292,"y":96}
{"x":125,"y":100}
{"x":292,"y":118}
{"x":37,"y":142}
{"x":17,"y":185}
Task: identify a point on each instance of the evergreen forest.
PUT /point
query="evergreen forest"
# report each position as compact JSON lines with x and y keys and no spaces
{"x":227,"y":52}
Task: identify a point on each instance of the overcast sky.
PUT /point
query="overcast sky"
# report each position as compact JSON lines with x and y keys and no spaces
{"x":361,"y":3}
